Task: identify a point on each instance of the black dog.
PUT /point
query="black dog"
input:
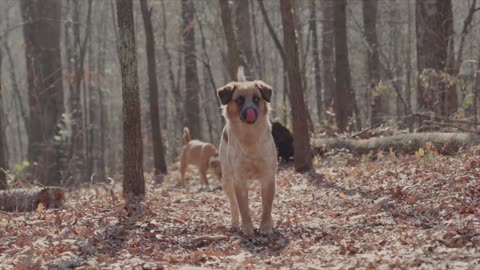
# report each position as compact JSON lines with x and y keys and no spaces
{"x":283,"y":141}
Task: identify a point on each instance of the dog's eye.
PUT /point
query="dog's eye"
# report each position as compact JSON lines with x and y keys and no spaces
{"x":240,"y":100}
{"x":256,"y":99}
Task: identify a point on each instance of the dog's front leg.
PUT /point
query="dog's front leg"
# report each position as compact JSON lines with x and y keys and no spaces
{"x":268,"y":192}
{"x":241,"y":193}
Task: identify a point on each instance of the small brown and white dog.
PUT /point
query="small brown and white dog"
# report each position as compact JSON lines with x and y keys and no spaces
{"x":201,"y":154}
{"x":247,"y":150}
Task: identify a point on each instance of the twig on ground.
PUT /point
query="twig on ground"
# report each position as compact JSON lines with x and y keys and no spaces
{"x":209,"y":238}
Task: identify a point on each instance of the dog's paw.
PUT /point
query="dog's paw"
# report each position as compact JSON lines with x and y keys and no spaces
{"x":266,"y":227}
{"x":247,"y":229}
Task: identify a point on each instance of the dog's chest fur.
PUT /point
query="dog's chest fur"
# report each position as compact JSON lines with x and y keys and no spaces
{"x":251,"y":156}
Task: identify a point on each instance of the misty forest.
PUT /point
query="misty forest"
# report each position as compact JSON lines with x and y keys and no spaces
{"x":112,"y":116}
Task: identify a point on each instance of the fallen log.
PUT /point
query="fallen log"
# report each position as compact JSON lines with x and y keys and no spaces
{"x":28,"y":199}
{"x":444,"y":143}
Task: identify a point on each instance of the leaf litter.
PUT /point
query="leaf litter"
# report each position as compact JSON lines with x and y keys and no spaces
{"x":396,"y":212}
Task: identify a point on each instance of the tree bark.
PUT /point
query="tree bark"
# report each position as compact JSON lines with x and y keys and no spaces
{"x":316,"y":59}
{"x":444,"y":143}
{"x":23,"y":199}
{"x":192,"y":84}
{"x":302,"y":155}
{"x":433,"y":29}
{"x":242,"y":23}
{"x":173,"y":86}
{"x":232,"y":49}
{"x":3,"y":156}
{"x":41,"y":30}
{"x":344,"y":97}
{"x":328,"y":54}
{"x":158,"y":148}
{"x":133,"y":181}
{"x":373,"y":66}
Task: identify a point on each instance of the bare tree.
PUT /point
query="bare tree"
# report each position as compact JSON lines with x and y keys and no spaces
{"x":316,"y":58}
{"x":373,"y":64}
{"x":3,"y":157}
{"x":192,"y":84}
{"x":133,"y":181}
{"x":244,"y":34}
{"x":344,"y":97}
{"x":328,"y":53}
{"x":302,"y":156}
{"x":158,"y":148}
{"x":433,"y":28}
{"x":232,"y":49}
{"x":41,"y":30}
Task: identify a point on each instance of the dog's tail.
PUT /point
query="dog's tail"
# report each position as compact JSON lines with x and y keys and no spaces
{"x":241,"y":74}
{"x":186,"y":135}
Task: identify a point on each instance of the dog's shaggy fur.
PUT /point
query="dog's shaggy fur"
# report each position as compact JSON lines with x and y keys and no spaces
{"x":201,"y":154}
{"x":283,"y":141}
{"x":247,"y":151}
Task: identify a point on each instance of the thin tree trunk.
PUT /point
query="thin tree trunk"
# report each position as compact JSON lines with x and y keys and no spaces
{"x":316,"y":59}
{"x":173,"y":86}
{"x":433,"y":29}
{"x":21,"y":113}
{"x":3,"y":143}
{"x":192,"y":84}
{"x":158,"y":149}
{"x":373,"y":66}
{"x":258,"y":55}
{"x":133,"y":181}
{"x":344,"y":97}
{"x":242,"y":23}
{"x":102,"y":127}
{"x":302,"y":155}
{"x":41,"y":31}
{"x":328,"y":54}
{"x":232,"y":49}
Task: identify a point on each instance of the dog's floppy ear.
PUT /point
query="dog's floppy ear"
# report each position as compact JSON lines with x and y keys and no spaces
{"x":265,"y":89}
{"x":225,"y":93}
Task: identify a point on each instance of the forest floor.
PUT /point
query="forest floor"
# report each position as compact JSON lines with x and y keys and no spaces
{"x":418,"y":211}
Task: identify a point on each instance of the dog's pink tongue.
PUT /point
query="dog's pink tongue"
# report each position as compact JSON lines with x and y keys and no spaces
{"x":251,"y":116}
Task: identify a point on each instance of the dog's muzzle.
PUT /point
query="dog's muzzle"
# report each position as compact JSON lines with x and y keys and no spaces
{"x":249,"y":115}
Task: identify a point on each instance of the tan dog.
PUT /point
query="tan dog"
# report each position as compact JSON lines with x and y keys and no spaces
{"x":247,"y":150}
{"x":201,"y":154}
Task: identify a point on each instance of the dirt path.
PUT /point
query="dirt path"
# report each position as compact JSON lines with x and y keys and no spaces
{"x":406,"y":212}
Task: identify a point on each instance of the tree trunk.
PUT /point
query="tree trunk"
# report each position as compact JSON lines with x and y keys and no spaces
{"x":302,"y":155}
{"x":444,"y":143}
{"x":373,"y":66}
{"x":233,"y":57}
{"x":23,"y":199}
{"x":316,"y":59}
{"x":434,"y":28}
{"x":158,"y":148}
{"x":173,"y":86}
{"x":192,"y":84}
{"x":3,"y":157}
{"x":344,"y":98}
{"x":41,"y":30}
{"x":133,"y":181}
{"x":328,"y":54}
{"x":242,"y":23}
